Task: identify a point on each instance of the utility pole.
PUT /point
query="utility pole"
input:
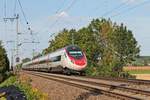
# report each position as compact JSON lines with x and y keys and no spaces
{"x":17,"y":46}
{"x":33,"y":53}
{"x":12,"y":60}
{"x":12,"y":54}
{"x":17,"y":33}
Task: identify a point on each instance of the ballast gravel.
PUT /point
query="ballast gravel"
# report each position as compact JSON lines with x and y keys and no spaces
{"x":61,"y":91}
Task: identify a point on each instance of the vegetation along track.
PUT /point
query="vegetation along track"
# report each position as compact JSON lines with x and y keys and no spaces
{"x":113,"y":89}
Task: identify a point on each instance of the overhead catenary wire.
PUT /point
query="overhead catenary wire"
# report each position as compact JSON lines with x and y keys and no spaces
{"x":131,"y":8}
{"x":59,"y":9}
{"x":115,"y":8}
{"x":29,"y":27}
{"x":22,"y":11}
{"x":59,"y":17}
{"x":24,"y":16}
{"x":125,"y":11}
{"x":70,"y":6}
{"x":56,"y":12}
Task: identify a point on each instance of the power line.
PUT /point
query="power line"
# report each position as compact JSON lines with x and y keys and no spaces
{"x":131,"y":8}
{"x":69,"y":7}
{"x":56,"y":12}
{"x":60,"y":7}
{"x":58,"y":18}
{"x":115,"y":8}
{"x":22,"y":11}
{"x":29,"y":28}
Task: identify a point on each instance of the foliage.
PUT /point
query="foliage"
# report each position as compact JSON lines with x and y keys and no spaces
{"x":18,"y":66}
{"x":4,"y":62}
{"x":24,"y":85}
{"x":26,"y":60}
{"x":10,"y":81}
{"x":61,"y":40}
{"x":108,"y":46}
{"x":141,"y":61}
{"x":36,"y":56}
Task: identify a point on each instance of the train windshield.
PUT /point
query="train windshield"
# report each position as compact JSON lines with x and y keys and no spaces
{"x":75,"y":52}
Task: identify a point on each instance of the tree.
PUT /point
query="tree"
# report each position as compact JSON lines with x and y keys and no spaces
{"x":4,"y":62}
{"x":26,"y":60}
{"x":37,"y":56}
{"x":61,"y":40}
{"x":117,"y":46}
{"x":108,"y":46}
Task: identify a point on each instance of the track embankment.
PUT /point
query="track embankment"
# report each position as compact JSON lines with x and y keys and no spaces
{"x":61,"y":91}
{"x":119,"y":90}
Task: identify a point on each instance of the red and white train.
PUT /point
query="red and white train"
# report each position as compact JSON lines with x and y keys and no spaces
{"x":70,"y":59}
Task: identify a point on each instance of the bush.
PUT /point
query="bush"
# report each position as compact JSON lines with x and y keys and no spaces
{"x":25,"y":86}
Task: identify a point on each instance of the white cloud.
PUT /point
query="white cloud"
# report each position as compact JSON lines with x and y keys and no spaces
{"x":63,"y":14}
{"x":66,"y":21}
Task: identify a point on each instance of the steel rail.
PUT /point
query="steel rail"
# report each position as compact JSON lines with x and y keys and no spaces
{"x":89,"y":85}
{"x":133,"y":81}
{"x":133,"y":90}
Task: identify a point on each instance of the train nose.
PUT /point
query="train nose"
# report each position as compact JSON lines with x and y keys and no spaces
{"x":80,"y":62}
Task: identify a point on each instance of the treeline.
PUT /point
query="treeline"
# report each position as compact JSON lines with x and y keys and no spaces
{"x":108,"y":46}
{"x":141,"y":61}
{"x":4,"y":62}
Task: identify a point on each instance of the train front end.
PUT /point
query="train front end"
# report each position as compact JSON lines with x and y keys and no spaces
{"x":76,"y":58}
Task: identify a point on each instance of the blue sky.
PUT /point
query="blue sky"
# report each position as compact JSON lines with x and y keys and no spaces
{"x":41,"y":14}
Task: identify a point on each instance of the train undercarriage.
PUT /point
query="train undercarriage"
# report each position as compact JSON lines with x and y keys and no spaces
{"x":59,"y":70}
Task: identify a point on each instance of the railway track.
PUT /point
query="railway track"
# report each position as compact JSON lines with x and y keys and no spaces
{"x":131,"y":81}
{"x":114,"y":89}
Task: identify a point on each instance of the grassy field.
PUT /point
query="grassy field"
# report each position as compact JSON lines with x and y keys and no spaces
{"x":139,"y":71}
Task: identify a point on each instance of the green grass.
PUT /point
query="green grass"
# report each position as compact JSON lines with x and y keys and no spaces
{"x":31,"y":94}
{"x":139,"y":71}
{"x":10,"y":81}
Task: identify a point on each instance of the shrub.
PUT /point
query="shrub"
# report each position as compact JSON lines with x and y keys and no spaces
{"x":25,"y":86}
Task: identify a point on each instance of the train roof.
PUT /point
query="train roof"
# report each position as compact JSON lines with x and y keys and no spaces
{"x":50,"y":53}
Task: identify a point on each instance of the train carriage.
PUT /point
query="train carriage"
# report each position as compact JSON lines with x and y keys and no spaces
{"x":70,"y":59}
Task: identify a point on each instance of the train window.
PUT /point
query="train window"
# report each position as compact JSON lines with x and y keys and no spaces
{"x":55,"y":59}
{"x":40,"y":62}
{"x":75,"y":52}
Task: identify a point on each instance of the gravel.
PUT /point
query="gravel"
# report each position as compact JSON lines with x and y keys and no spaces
{"x":61,"y":91}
